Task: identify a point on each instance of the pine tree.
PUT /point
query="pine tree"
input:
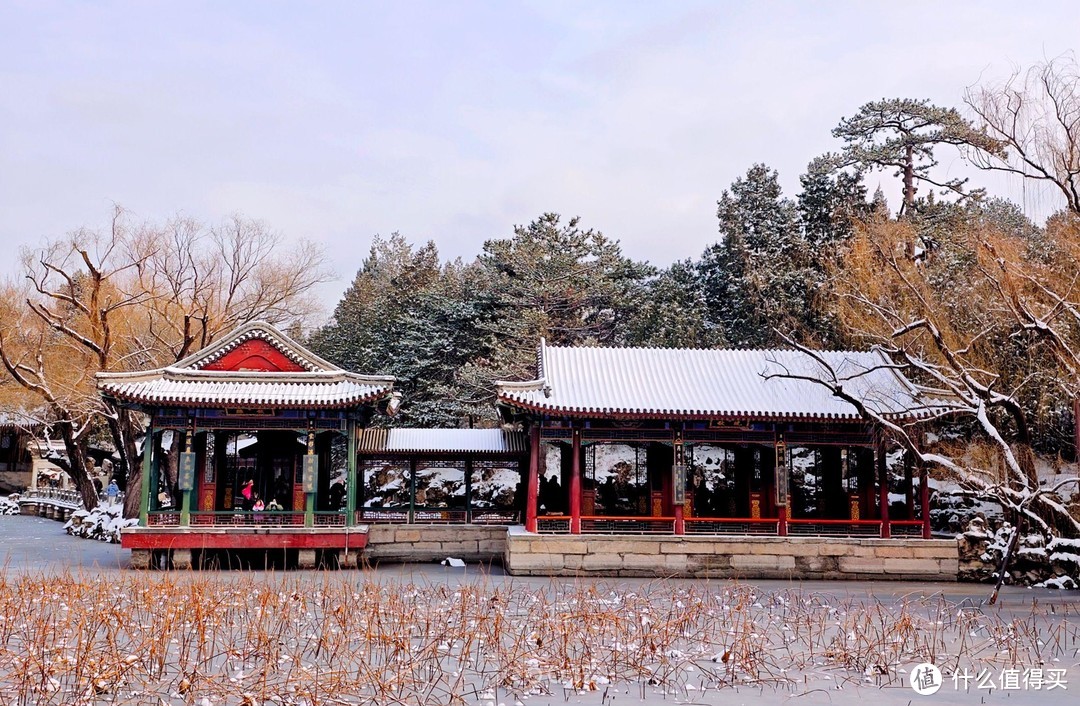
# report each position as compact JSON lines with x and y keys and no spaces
{"x":409,"y":315}
{"x":902,"y":134}
{"x":673,"y":313}
{"x":830,"y":203}
{"x":756,"y":279}
{"x":557,"y":281}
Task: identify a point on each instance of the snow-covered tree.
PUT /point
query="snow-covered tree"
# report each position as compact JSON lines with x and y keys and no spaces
{"x":760,"y":277}
{"x":410,"y":315}
{"x":902,"y":134}
{"x":556,"y":280}
{"x":954,"y":336}
{"x":830,"y":203}
{"x":673,"y":312}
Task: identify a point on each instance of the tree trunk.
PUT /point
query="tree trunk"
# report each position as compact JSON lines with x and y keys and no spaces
{"x":124,"y":429}
{"x":169,"y":466}
{"x":1025,"y":457}
{"x":909,"y":181}
{"x":133,"y":494}
{"x":75,"y":448}
{"x":1006,"y":559}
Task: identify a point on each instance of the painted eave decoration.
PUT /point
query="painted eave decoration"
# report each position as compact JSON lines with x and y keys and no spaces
{"x":436,"y":441}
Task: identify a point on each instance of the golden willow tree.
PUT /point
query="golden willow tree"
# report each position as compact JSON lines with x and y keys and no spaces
{"x":987,"y":315}
{"x":134,"y":296}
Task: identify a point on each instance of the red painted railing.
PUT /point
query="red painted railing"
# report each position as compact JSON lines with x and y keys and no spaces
{"x":906,"y":529}
{"x":162,"y":519}
{"x":596,"y":524}
{"x":767,"y":526}
{"x":266,"y":518}
{"x":834,"y":528}
{"x":273,"y":518}
{"x":553,"y":524}
{"x":330,"y":519}
{"x":600,"y":524}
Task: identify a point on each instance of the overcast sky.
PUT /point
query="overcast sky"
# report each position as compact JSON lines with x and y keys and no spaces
{"x":456,"y":121}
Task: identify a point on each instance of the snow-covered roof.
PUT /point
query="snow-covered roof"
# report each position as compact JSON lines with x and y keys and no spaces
{"x":13,"y":418}
{"x":256,"y":330}
{"x":714,"y":383}
{"x":493,"y":441}
{"x":194,"y":382}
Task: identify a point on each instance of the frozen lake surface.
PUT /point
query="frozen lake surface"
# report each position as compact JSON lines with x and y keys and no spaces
{"x":77,"y":627}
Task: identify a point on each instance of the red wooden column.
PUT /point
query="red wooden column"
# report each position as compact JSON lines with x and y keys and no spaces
{"x":532,"y":489}
{"x":575,"y":483}
{"x":883,"y":487}
{"x":924,"y":499}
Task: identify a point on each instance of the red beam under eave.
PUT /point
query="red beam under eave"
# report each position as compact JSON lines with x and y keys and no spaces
{"x":224,"y":540}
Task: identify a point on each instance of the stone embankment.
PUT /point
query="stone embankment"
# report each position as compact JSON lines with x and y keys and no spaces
{"x":732,"y":557}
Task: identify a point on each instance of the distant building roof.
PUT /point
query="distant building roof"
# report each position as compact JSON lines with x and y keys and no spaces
{"x":717,"y":383}
{"x":488,"y":441}
{"x":17,"y":419}
{"x":254,"y":365}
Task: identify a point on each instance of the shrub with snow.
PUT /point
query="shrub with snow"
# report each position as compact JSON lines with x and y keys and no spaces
{"x":9,"y":505}
{"x":102,"y":523}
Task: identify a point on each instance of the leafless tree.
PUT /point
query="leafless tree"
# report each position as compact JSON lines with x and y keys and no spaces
{"x":1035,"y":116}
{"x":944,"y":337}
{"x":136,"y":296}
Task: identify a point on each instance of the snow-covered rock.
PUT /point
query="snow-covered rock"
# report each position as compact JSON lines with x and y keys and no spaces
{"x":102,"y":523}
{"x":1035,"y":561}
{"x":9,"y":505}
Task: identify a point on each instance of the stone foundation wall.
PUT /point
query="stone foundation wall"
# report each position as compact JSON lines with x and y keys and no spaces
{"x":731,"y":557}
{"x":435,"y":542}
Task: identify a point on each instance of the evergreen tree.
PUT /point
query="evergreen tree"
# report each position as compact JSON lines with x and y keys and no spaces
{"x":408,"y":315}
{"x":757,"y":279}
{"x":558,"y":281}
{"x":902,"y":134}
{"x":673,"y":312}
{"x":830,"y":203}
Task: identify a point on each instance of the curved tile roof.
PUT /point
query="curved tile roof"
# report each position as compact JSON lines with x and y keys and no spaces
{"x":320,"y":385}
{"x":227,"y":390}
{"x":696,"y":383}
